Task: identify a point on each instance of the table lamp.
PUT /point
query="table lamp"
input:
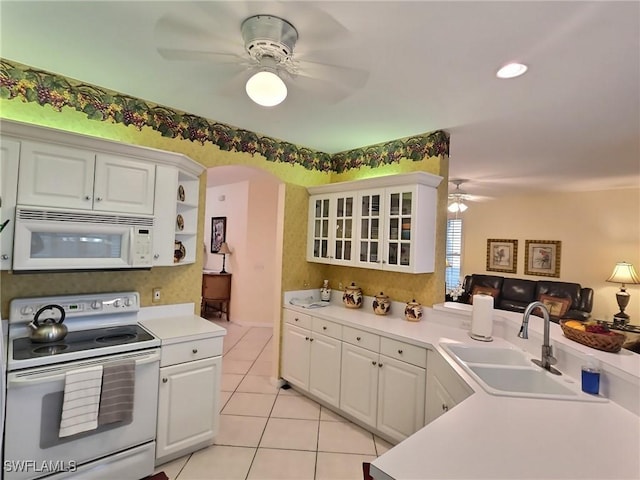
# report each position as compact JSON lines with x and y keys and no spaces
{"x":623,"y":273}
{"x":224,"y":251}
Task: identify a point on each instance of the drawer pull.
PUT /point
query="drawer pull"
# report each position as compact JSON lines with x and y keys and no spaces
{"x":400,"y":351}
{"x":311,"y":339}
{"x":380,"y":365}
{"x":194,"y":351}
{"x":306,"y":338}
{"x":324,"y":328}
{"x":296,"y":319}
{"x":373,"y":362}
{"x":358,"y":338}
{"x":165,"y":380}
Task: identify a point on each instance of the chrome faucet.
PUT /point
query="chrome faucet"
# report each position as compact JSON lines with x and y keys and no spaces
{"x":547,"y":350}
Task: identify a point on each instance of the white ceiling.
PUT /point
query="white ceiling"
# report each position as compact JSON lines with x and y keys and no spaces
{"x":571,"y":123}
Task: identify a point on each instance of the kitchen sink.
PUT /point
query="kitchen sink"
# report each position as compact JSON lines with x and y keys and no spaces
{"x":508,"y":371}
{"x":521,"y":381}
{"x":492,"y":355}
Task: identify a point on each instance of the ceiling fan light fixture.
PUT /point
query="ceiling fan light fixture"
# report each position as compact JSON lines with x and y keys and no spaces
{"x":512,"y":70}
{"x":457,"y":206}
{"x":266,"y":88}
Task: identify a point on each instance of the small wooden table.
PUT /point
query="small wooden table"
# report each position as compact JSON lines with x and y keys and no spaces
{"x":216,"y":293}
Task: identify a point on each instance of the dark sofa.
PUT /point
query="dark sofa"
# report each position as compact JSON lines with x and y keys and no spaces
{"x":514,"y":294}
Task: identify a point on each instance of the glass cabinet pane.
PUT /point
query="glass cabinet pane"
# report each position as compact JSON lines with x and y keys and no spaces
{"x":406,"y":203}
{"x":375,"y":205}
{"x":340,"y":207}
{"x":406,"y":228}
{"x":374,"y":228}
{"x":348,"y":207}
{"x":393,"y":229}
{"x":393,"y":254}
{"x":404,"y":254}
{"x":325,"y":208}
{"x":347,"y":228}
{"x":365,"y":206}
{"x":394,"y":206}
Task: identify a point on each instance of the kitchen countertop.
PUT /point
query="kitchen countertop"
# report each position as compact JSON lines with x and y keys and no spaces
{"x":488,"y":436}
{"x":181,"y":328}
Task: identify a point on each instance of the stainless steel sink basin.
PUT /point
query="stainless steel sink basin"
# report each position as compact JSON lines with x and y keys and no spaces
{"x":491,"y":355}
{"x":508,"y":371}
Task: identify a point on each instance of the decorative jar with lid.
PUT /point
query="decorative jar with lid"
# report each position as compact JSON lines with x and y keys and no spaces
{"x":352,"y":296}
{"x":381,"y":304}
{"x":413,"y":311}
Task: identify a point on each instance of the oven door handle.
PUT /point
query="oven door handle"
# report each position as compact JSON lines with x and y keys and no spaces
{"x":55,"y":373}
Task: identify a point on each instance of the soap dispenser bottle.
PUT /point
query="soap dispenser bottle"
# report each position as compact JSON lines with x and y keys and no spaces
{"x":325,"y":291}
{"x":591,"y":375}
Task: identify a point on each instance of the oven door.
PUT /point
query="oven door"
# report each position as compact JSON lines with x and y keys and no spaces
{"x":33,"y":448}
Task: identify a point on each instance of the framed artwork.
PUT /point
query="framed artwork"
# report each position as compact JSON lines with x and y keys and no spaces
{"x":542,"y":257}
{"x":502,"y":255}
{"x":218,"y":233}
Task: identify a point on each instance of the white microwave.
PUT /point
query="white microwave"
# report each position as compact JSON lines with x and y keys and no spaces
{"x":56,"y":239}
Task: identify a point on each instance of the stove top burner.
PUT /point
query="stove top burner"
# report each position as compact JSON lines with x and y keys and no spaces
{"x":50,"y":349}
{"x":117,"y":338}
{"x":77,"y":341}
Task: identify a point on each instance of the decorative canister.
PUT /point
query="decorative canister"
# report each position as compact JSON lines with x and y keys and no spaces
{"x":381,"y":304}
{"x":325,"y":291}
{"x":352,"y":296}
{"x":413,"y":311}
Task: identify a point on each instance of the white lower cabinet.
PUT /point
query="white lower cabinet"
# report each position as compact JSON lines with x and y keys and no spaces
{"x":187,"y":407}
{"x":445,"y":388}
{"x":382,"y":392}
{"x":311,"y":360}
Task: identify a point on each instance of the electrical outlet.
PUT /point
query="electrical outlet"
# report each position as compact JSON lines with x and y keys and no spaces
{"x":156,"y":295}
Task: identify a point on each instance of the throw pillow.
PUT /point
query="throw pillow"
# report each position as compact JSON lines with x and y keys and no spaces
{"x":479,"y":289}
{"x":557,"y":306}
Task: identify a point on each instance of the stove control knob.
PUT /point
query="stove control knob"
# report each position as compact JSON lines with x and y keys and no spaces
{"x":96,"y":305}
{"x":26,"y":310}
{"x":117,"y":302}
{"x":128,"y":301}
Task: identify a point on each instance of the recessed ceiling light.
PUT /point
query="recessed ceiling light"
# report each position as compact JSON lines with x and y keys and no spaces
{"x":511,"y":70}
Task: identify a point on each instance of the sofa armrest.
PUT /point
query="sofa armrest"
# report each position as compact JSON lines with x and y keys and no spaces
{"x":586,"y":300}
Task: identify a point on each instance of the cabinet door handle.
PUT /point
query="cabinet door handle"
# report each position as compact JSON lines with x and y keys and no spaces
{"x":358,"y":338}
{"x":400,"y":351}
{"x":194,"y":351}
{"x":99,"y":199}
{"x":311,"y":339}
{"x":87,"y":197}
{"x":306,"y":338}
{"x":373,"y":363}
{"x":324,"y":328}
{"x":165,"y":380}
{"x":156,"y":256}
{"x":380,"y":365}
{"x":444,"y":407}
{"x":5,"y":256}
{"x":296,"y":319}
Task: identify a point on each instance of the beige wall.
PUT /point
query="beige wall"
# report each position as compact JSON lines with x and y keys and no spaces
{"x":597,"y":229}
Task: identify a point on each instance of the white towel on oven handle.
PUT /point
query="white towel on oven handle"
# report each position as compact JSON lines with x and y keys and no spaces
{"x":81,"y":402}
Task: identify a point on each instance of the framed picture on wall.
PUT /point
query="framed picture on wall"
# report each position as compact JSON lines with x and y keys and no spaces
{"x":542,"y":257}
{"x":218,"y":233}
{"x":502,"y":255}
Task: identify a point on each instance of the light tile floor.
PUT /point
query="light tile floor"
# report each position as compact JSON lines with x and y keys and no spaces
{"x":270,"y":433}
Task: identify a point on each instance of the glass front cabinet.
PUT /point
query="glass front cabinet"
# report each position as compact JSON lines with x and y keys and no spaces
{"x":390,"y":227}
{"x":331,"y":229}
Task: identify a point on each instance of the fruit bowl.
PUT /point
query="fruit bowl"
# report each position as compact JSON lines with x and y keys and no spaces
{"x":607,"y":342}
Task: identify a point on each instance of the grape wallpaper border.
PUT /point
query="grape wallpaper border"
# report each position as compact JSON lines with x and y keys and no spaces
{"x":21,"y":82}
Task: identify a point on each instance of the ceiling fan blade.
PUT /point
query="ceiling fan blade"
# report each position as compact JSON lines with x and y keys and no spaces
{"x":199,"y":55}
{"x":317,"y":90}
{"x":349,"y":78}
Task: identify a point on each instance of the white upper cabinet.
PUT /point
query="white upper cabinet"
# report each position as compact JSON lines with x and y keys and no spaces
{"x":9,"y":158}
{"x":331,"y":229}
{"x":67,"y":177}
{"x":391,"y":225}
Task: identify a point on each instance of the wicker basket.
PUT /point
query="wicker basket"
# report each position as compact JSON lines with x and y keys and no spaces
{"x":607,"y":343}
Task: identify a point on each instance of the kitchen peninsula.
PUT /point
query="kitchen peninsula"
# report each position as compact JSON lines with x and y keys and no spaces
{"x":488,"y":436}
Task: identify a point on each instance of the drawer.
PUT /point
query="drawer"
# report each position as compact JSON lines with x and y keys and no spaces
{"x":403,"y":351}
{"x":325,"y":327}
{"x":190,"y":350}
{"x":363,"y":339}
{"x":294,"y":318}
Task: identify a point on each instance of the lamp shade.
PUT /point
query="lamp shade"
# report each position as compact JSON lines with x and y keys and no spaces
{"x":624,"y":273}
{"x":224,"y":249}
{"x":457,"y":206}
{"x":266,"y":88}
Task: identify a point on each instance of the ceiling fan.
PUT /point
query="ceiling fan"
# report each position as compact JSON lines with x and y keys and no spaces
{"x":457,"y":198}
{"x":265,"y":59}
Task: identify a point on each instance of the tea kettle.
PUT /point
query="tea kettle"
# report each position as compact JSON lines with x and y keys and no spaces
{"x":48,"y":329}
